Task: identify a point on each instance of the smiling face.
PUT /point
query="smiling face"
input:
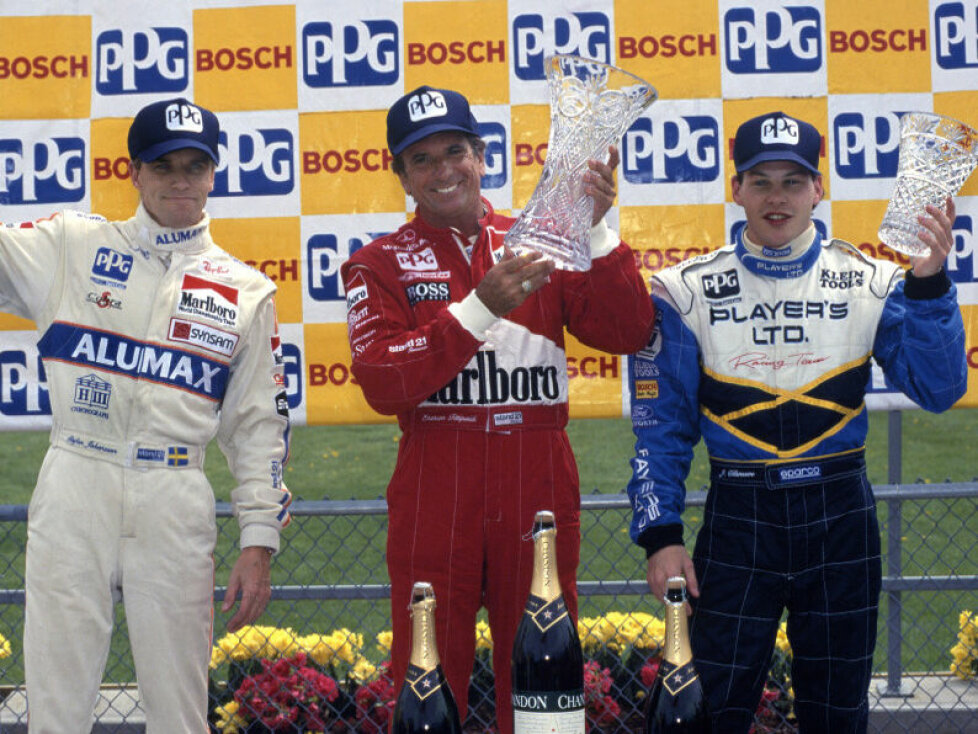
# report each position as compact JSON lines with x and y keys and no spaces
{"x":778,"y":198}
{"x":174,"y":187}
{"x":443,"y":174}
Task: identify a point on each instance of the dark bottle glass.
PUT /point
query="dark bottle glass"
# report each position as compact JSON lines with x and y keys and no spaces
{"x":425,"y":704}
{"x":547,"y":665}
{"x":676,"y":702}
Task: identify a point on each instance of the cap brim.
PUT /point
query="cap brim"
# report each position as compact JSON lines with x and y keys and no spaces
{"x":168,"y":146}
{"x":425,"y":132}
{"x":776,"y":155}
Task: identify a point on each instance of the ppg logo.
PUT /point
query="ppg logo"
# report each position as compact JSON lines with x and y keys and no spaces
{"x":141,"y":62}
{"x":721,"y":285}
{"x":20,"y":392}
{"x":255,"y":163}
{"x":536,"y":37}
{"x":325,"y":256}
{"x":961,"y":260}
{"x":783,"y":40}
{"x":42,"y":172}
{"x":866,"y":148}
{"x":672,"y":150}
{"x":292,"y":366}
{"x":494,"y":136}
{"x":956,"y":35}
{"x":361,"y":54}
{"x":112,"y":264}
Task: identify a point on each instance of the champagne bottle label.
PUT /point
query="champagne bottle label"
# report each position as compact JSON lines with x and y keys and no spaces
{"x":545,"y":712}
{"x":422,"y":682}
{"x":545,"y":614}
{"x":676,"y":678}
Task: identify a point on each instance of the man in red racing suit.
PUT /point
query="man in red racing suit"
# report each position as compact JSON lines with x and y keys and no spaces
{"x":464,"y":342}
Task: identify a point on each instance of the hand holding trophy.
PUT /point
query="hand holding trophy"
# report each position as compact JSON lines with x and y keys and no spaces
{"x":592,"y":104}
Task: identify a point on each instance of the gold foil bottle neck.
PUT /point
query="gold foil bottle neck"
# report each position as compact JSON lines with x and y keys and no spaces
{"x":424,"y":648}
{"x":677,"y":650}
{"x":545,"y":583}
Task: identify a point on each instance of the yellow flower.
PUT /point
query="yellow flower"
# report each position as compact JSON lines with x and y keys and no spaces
{"x":965,"y":652}
{"x":385,"y":641}
{"x":483,"y":636}
{"x":363,"y":671}
{"x":595,"y":632}
{"x":228,"y":721}
{"x":782,"y":643}
{"x":340,"y":644}
{"x":5,"y":650}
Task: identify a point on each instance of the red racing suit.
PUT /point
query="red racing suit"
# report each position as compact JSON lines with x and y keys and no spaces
{"x":482,"y":404}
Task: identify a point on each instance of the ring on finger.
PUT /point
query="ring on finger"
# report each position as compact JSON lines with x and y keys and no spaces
{"x":527,"y":286}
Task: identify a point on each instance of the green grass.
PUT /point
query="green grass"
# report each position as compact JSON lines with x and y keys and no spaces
{"x":355,"y":462}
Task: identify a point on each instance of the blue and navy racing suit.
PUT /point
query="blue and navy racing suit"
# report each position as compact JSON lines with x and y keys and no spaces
{"x":769,"y":361}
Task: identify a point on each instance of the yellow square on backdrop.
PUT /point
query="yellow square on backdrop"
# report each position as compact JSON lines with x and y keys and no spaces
{"x":595,"y":381}
{"x":331,"y":394}
{"x":48,"y":67}
{"x":271,"y":245}
{"x":458,"y":45}
{"x":961,"y":106}
{"x":858,"y":222}
{"x":113,"y":195}
{"x":345,"y":164}
{"x":661,"y":236}
{"x":673,"y":45}
{"x":246,"y":58}
{"x":530,"y":132}
{"x":877,"y":46}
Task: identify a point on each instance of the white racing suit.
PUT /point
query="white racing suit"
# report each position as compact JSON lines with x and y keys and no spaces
{"x":154,"y":340}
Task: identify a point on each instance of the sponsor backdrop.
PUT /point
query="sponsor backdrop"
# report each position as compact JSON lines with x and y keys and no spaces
{"x":302,"y":89}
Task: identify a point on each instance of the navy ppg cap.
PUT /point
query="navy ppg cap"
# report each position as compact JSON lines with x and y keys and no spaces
{"x":169,"y":125}
{"x":776,"y":137}
{"x":424,"y":112}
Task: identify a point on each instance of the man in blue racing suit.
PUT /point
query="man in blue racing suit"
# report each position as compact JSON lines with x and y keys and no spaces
{"x":763,"y":349}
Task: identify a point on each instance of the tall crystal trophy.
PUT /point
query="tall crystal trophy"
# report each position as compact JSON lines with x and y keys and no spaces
{"x":937,"y":154}
{"x":591,"y":105}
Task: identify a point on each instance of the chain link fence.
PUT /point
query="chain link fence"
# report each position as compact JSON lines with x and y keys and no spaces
{"x":330,"y":618}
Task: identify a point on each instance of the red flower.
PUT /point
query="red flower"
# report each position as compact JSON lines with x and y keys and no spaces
{"x":375,"y":702}
{"x":649,"y":671}
{"x":601,"y":708}
{"x":287,"y":694}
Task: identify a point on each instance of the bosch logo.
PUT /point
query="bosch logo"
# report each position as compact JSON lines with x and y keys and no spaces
{"x":721,"y":285}
{"x":536,"y":37}
{"x":23,"y":385}
{"x":663,"y":150}
{"x":325,"y":255}
{"x":783,"y":40}
{"x":961,"y":260}
{"x":244,"y":58}
{"x":956,"y":35}
{"x":866,"y":146}
{"x":361,"y":54}
{"x":255,"y":163}
{"x":494,"y":136}
{"x":140,"y":62}
{"x":112,"y":264}
{"x":44,"y":171}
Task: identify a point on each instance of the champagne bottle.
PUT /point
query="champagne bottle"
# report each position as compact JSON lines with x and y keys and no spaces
{"x":425,"y":703}
{"x":547,"y":665}
{"x":676,"y":702}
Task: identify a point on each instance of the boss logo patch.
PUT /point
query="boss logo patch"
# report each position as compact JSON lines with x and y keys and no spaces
{"x":428,"y":291}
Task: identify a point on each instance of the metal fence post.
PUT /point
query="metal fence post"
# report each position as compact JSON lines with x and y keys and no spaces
{"x":893,"y":687}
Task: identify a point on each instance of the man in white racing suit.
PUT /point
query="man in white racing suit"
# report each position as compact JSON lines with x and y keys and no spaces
{"x":154,"y":340}
{"x":763,"y":349}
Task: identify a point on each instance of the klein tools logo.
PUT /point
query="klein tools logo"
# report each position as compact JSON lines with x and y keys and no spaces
{"x":783,"y":40}
{"x":255,"y":163}
{"x":46,"y":171}
{"x":360,"y":54}
{"x":535,"y":37}
{"x":154,"y":60}
{"x":956,"y":35}
{"x":23,"y":385}
{"x":675,"y":150}
{"x":866,"y":146}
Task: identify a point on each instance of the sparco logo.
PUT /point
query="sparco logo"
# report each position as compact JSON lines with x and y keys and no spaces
{"x":487,"y":384}
{"x":800,"y":473}
{"x":840,"y":281}
{"x":427,"y":291}
{"x":360,"y":54}
{"x":721,"y":285}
